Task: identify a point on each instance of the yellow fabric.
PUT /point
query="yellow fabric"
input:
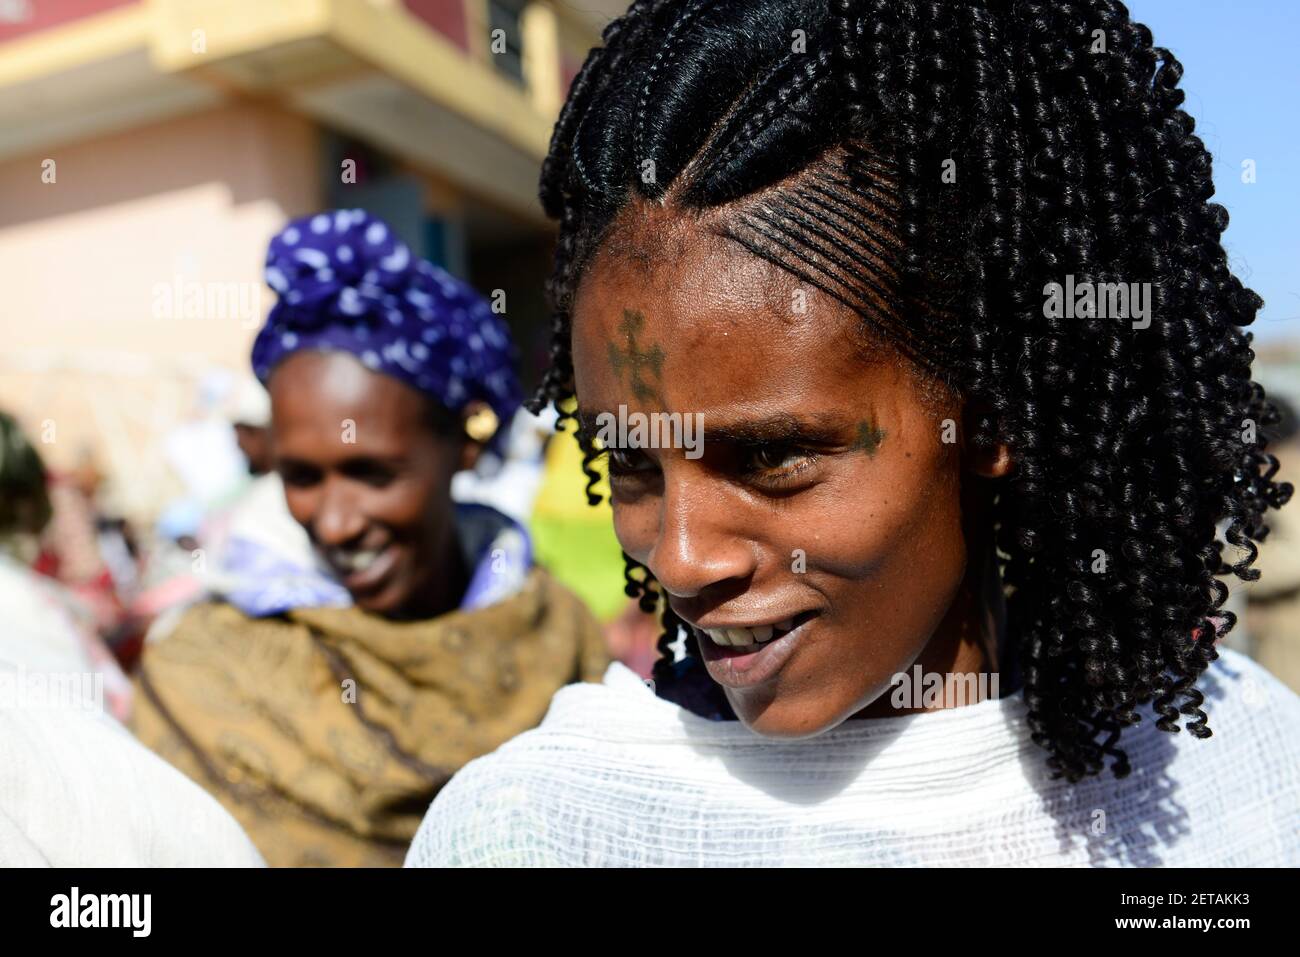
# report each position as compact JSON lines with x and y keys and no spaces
{"x":327,"y":732}
{"x":574,"y":540}
{"x":563,"y":493}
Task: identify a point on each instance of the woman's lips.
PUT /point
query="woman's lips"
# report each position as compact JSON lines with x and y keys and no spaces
{"x":745,"y":667}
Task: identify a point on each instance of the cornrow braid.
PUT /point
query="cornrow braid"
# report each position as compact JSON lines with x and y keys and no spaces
{"x":662,"y":57}
{"x":795,"y":76}
{"x":828,"y":164}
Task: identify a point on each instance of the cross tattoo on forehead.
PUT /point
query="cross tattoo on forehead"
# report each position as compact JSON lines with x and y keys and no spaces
{"x":635,"y":360}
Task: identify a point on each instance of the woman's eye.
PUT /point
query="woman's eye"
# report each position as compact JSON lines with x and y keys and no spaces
{"x":774,"y":457}
{"x":625,"y":461}
{"x":777,"y":465}
{"x":371,"y":473}
{"x":298,"y":476}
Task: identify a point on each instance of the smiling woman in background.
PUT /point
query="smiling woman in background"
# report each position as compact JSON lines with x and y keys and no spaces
{"x":327,"y":709}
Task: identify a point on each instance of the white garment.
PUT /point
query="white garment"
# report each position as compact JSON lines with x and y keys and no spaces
{"x":40,"y":632}
{"x":615,"y":776}
{"x":76,"y":790}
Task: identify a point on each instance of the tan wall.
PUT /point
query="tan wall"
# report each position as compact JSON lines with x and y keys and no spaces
{"x":95,"y":349}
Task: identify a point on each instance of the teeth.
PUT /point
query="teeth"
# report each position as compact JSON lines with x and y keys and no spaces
{"x":719,"y":635}
{"x":740,"y":637}
{"x":358,"y":561}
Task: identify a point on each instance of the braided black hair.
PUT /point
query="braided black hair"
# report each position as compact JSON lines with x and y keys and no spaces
{"x":816,"y":133}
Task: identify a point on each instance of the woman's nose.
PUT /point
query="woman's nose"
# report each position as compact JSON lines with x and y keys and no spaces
{"x":339,"y":518}
{"x":697,"y":545}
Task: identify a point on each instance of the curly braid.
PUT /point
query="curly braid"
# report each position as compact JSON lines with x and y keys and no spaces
{"x":1072,"y":159}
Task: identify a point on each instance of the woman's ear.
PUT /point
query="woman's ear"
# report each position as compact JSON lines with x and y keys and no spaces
{"x":984,"y":455}
{"x":990,"y":461}
{"x":469,"y":453}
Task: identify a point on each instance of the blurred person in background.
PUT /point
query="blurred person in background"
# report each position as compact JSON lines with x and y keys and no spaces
{"x":205,"y":453}
{"x":48,"y":628}
{"x":190,"y":556}
{"x":25,"y":507}
{"x":88,"y":550}
{"x":249,"y":412}
{"x":75,"y":788}
{"x":326,"y":709}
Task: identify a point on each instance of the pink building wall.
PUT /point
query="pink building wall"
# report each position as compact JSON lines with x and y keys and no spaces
{"x":445,"y":16}
{"x":96,"y":340}
{"x":42,"y":15}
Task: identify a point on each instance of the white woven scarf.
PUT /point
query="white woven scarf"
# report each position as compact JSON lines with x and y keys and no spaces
{"x":615,"y":776}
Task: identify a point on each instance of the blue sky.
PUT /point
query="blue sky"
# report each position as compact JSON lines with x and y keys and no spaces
{"x":1242,"y":82}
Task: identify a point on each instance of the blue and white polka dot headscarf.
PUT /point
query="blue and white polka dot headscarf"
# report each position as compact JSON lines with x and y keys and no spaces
{"x":346,"y":282}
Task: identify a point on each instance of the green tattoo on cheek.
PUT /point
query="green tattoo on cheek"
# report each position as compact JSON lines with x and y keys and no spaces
{"x":868,"y":438}
{"x":639,"y":363}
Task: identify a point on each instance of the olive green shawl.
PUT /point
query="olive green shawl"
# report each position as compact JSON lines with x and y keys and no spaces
{"x":328,"y":731}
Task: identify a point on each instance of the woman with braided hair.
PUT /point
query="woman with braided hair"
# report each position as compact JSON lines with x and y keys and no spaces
{"x":943,"y":284}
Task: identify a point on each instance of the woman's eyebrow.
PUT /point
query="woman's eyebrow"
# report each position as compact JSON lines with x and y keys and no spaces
{"x":395,"y":460}
{"x":759,"y":428}
{"x":391,"y":461}
{"x":779,"y":427}
{"x":291,"y":461}
{"x":812,"y":427}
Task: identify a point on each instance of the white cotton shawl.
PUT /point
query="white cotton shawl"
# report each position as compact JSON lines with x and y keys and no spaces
{"x":615,"y":776}
{"x":77,"y":790}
